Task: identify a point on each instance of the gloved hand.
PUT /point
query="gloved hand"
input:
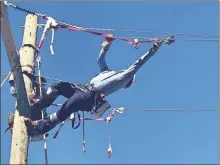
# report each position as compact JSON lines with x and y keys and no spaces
{"x":13,"y":91}
{"x":108,"y":41}
{"x":33,"y":98}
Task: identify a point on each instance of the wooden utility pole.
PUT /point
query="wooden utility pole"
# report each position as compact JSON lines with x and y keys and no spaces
{"x":20,"y":138}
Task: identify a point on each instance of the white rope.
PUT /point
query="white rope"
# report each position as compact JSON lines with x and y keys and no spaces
{"x":6,"y":78}
{"x":42,"y":112}
{"x":54,"y":79}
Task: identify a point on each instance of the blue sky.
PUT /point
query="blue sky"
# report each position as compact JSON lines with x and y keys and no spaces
{"x":183,"y":75}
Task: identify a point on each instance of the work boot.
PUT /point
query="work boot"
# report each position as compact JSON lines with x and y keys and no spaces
{"x":33,"y":130}
{"x":41,"y":127}
{"x":29,"y":124}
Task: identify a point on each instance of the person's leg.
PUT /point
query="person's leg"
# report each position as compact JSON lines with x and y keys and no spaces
{"x":62,"y":88}
{"x":79,"y":101}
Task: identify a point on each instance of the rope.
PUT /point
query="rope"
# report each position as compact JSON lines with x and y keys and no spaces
{"x":54,"y":79}
{"x":84,"y":142}
{"x":109,"y":142}
{"x":6,"y":78}
{"x":42,"y":83}
{"x":50,"y":78}
{"x":9,"y":73}
{"x":42,"y":112}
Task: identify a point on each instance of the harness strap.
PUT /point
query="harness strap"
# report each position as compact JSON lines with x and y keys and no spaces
{"x":36,"y":49}
{"x":74,"y":121}
{"x":84,"y":142}
{"x":109,"y":142}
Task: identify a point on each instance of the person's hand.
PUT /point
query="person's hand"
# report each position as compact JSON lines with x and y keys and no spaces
{"x":33,"y":98}
{"x":108,"y":40}
{"x":13,"y":91}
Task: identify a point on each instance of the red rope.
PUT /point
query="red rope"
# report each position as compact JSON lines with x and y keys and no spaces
{"x":129,"y":41}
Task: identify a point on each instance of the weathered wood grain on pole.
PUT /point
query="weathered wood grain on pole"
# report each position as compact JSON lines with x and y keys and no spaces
{"x":19,"y":144}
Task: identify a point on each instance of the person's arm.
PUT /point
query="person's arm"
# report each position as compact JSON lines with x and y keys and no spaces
{"x":102,"y":54}
{"x":142,"y":60}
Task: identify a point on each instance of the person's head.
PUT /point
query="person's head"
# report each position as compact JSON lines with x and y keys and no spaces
{"x":131,"y":82}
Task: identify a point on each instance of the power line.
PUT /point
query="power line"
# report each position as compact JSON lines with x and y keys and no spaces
{"x":156,"y":109}
{"x":109,"y":29}
{"x":172,"y":110}
{"x":148,"y":31}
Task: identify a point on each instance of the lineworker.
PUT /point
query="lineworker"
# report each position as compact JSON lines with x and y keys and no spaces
{"x":89,"y":97}
{"x":36,"y":114}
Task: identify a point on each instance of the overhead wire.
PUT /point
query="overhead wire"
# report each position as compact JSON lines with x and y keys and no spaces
{"x":136,"y":109}
{"x":161,"y":109}
{"x":172,"y":110}
{"x":109,"y":29}
{"x":148,"y":31}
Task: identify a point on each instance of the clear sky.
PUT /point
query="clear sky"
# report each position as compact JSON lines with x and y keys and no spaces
{"x":183,"y":75}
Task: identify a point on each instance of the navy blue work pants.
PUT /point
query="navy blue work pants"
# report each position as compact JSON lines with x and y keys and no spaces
{"x":77,"y":100}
